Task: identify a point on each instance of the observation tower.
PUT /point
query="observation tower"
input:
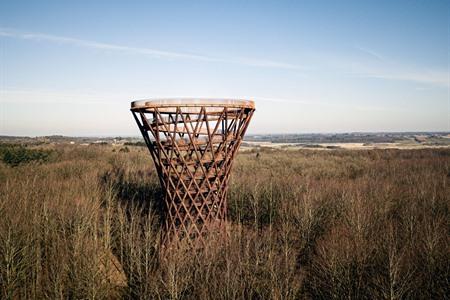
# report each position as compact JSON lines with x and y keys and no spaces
{"x":193,"y":143}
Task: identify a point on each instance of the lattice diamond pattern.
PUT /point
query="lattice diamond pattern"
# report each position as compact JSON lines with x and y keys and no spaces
{"x":193,"y":154}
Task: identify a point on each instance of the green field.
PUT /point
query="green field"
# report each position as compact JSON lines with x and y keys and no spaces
{"x":83,"y":222}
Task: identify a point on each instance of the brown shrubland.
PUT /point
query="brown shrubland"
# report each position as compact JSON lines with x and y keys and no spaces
{"x":302,"y":225}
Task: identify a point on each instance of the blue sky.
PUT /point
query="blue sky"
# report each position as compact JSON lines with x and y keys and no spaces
{"x":72,"y":67}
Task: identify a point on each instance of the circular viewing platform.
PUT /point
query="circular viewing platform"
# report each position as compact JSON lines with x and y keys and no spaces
{"x":190,"y":104}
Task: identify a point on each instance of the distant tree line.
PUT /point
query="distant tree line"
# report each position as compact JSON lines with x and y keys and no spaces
{"x":14,"y":155}
{"x":138,"y":144}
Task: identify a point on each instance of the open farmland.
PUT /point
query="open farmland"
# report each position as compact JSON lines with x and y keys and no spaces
{"x":83,"y":222}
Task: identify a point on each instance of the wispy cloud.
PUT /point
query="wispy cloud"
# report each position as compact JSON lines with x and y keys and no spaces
{"x":57,"y":97}
{"x":155,"y":53}
{"x":12,"y":95}
{"x":281,"y":100}
{"x":370,"y":52}
{"x":296,"y":101}
{"x":384,"y":68}
{"x":372,"y":108}
{"x":436,"y":78}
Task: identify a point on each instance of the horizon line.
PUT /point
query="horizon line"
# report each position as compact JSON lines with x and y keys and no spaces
{"x":248,"y":134}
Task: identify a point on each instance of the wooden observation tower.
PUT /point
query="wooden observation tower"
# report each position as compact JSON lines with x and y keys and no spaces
{"x":193,"y":143}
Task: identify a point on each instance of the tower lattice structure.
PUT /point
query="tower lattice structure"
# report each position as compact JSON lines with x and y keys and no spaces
{"x":193,"y":144}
